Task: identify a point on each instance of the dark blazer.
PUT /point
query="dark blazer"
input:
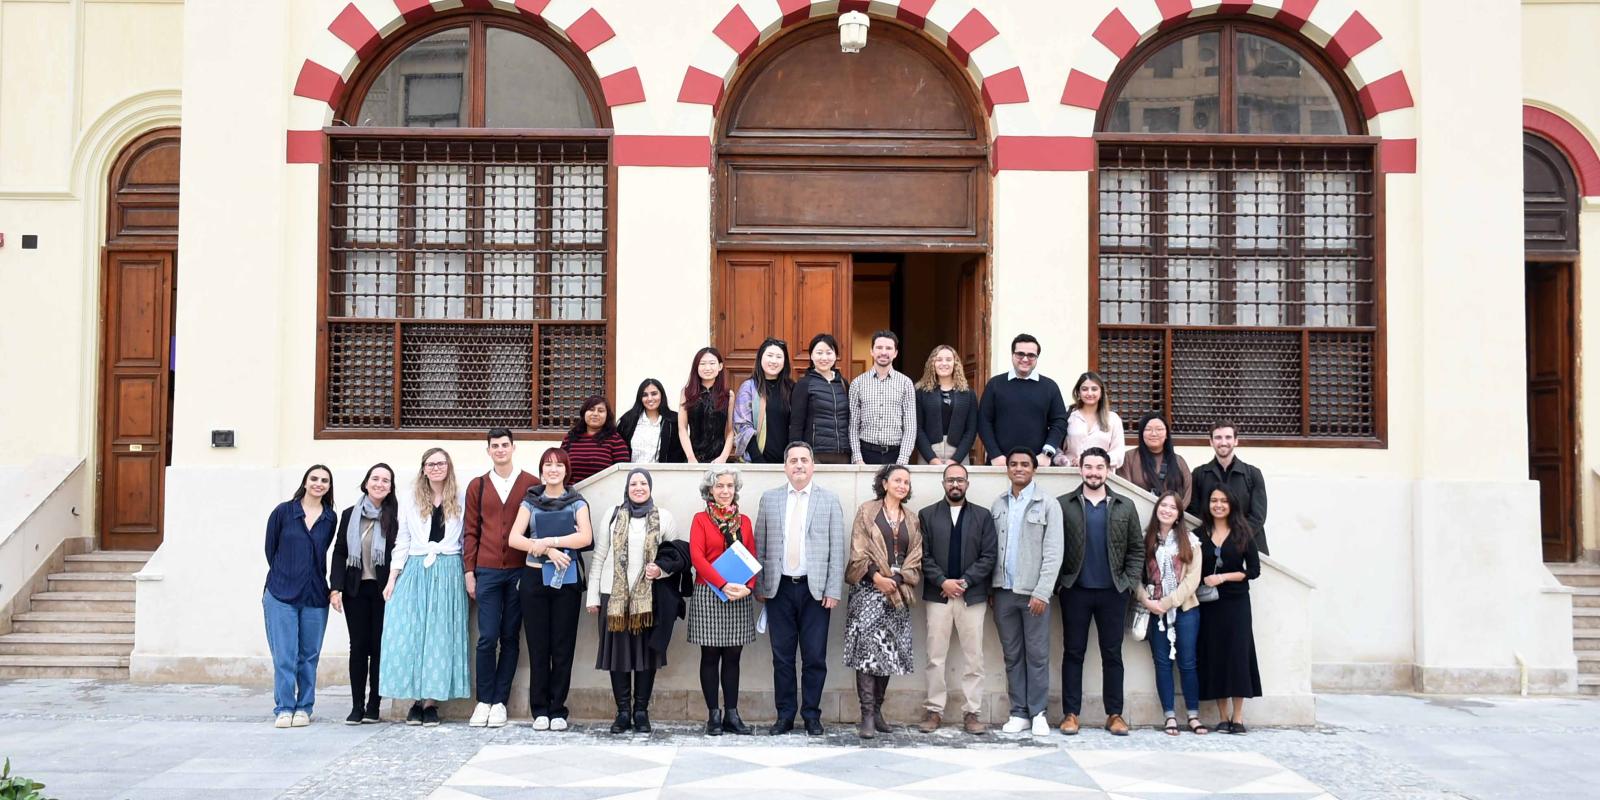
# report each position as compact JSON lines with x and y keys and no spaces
{"x":667,"y":594}
{"x":1246,"y":483}
{"x":980,"y":547}
{"x":930,"y":422}
{"x":344,"y":578}
{"x":671,"y":450}
{"x":1124,"y":540}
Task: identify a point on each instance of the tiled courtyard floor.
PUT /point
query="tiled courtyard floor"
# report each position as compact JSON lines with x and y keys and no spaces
{"x":86,"y":739}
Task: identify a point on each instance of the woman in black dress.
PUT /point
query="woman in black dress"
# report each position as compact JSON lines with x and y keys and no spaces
{"x":705,"y":428}
{"x":1227,"y":651}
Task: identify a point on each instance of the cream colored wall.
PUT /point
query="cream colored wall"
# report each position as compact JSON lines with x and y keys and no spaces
{"x":1560,"y":68}
{"x":78,"y":80}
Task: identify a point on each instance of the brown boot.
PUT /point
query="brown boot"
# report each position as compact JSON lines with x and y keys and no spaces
{"x":931,"y":721}
{"x":1069,"y":726}
{"x":866,"y":688}
{"x":973,"y":725}
{"x":1116,"y":725}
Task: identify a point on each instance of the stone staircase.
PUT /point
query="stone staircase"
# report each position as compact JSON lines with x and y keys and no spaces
{"x":81,"y":626}
{"x":1585,"y":582}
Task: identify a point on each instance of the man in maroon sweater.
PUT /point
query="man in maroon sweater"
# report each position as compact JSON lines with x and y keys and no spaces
{"x":492,"y":571}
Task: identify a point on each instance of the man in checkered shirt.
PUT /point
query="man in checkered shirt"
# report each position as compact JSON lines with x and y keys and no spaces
{"x":883,"y":408}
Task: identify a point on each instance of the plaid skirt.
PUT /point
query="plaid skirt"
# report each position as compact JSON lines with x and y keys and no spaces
{"x":714,"y":623}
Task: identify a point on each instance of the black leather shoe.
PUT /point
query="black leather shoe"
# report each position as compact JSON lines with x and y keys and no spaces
{"x":814,"y":727}
{"x":714,"y":723}
{"x":641,"y":721}
{"x":781,"y":727}
{"x":732,"y":724}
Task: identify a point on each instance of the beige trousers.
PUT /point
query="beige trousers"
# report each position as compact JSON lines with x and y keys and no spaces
{"x":967,"y":623}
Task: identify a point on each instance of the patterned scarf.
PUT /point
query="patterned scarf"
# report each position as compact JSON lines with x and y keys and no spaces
{"x":727,"y":519}
{"x":630,"y":609}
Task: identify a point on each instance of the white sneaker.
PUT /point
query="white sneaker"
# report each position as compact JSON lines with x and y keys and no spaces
{"x":558,"y":724}
{"x":1040,"y":726}
{"x":301,"y":719}
{"x":1014,"y":725}
{"x":284,"y":720}
{"x":541,"y":723}
{"x":480,"y":716}
{"x":497,"y":715}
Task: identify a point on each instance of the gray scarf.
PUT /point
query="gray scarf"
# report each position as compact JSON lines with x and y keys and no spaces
{"x":365,"y":510}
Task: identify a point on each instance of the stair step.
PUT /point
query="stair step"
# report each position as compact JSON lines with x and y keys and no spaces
{"x":104,"y":667}
{"x":1585,"y":597}
{"x":1585,"y":617}
{"x":90,"y":581}
{"x":1589,"y":663}
{"x":72,"y":622}
{"x":66,"y":644}
{"x":121,"y":602}
{"x":108,"y":561}
{"x":1576,"y":574}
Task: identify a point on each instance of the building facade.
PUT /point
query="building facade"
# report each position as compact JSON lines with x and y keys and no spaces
{"x":400,"y":222}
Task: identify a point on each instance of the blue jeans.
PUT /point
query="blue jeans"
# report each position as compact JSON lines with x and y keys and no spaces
{"x":1188,"y":626}
{"x":294,"y":635}
{"x":499,"y":628}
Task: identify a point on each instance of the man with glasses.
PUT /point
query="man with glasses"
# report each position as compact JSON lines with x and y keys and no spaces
{"x":1021,"y":408}
{"x":959,"y":548}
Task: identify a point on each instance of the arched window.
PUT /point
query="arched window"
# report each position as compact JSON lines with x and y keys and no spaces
{"x":468,"y":236}
{"x":1237,"y":248}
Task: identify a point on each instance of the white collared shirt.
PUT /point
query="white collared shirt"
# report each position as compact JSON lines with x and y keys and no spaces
{"x":646,"y":442}
{"x":794,"y":525}
{"x":502,"y":486}
{"x":1032,"y":376}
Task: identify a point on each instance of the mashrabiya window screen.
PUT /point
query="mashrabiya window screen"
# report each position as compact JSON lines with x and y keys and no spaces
{"x":460,"y":257}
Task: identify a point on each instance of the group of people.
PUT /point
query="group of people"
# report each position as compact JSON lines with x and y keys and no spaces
{"x":403,"y":569}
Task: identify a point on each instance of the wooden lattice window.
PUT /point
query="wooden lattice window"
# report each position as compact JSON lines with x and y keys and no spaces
{"x":467,"y":272}
{"x":1237,"y":243}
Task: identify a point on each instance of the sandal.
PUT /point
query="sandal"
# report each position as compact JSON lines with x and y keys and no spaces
{"x":1172,"y":726}
{"x":1237,"y":728}
{"x":1197,"y":727}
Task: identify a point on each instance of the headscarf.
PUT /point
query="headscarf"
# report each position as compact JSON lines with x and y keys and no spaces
{"x":637,"y":510}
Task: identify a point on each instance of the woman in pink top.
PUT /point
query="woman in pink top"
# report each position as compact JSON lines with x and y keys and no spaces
{"x":1092,"y":423}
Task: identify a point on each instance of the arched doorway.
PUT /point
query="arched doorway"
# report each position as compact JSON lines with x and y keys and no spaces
{"x":852,"y":194}
{"x":138,"y":286}
{"x":1550,"y":241}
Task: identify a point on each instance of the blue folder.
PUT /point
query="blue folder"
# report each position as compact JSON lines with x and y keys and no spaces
{"x":735,"y":565}
{"x":557,"y":523}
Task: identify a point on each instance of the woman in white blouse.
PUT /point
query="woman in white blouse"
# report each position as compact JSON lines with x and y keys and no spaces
{"x":425,"y":650}
{"x":651,"y":427}
{"x":1092,"y":423}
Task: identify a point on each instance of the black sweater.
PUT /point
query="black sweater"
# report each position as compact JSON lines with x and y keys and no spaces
{"x":1021,"y":413}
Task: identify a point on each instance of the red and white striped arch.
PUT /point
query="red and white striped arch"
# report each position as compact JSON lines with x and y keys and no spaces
{"x":1571,"y":140}
{"x":358,"y":30}
{"x":973,"y":41}
{"x":1351,"y":42}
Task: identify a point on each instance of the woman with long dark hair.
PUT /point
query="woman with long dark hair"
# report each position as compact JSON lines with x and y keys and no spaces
{"x":1227,"y":647}
{"x":819,"y":412}
{"x":593,"y":442}
{"x":358,"y":572}
{"x":761,"y":408}
{"x":884,"y":573}
{"x":1156,"y":466}
{"x":1171,"y":575}
{"x":705,"y":428}
{"x":295,"y":599}
{"x":552,"y":527}
{"x":651,"y":427}
{"x":425,"y":626}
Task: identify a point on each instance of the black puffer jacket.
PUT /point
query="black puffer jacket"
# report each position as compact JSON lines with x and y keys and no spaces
{"x":819,"y":413}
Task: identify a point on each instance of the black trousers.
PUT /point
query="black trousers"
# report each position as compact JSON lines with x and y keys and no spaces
{"x":550,"y":620}
{"x":879,"y":454}
{"x":363,"y":615}
{"x":1108,"y":608}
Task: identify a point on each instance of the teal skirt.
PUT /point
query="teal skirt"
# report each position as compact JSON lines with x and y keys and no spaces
{"x":425,"y":648}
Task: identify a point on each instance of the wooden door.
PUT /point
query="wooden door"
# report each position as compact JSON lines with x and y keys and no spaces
{"x":136,"y":387}
{"x":1552,"y":446}
{"x":792,"y":296}
{"x":972,"y":330}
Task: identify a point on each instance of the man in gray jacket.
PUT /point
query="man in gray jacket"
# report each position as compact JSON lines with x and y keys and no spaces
{"x":1027,"y":524}
{"x":801,"y":543}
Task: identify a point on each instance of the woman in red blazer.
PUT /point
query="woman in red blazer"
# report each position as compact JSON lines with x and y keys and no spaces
{"x":721,"y":627}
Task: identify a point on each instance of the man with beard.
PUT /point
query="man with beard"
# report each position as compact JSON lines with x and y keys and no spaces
{"x":1242,"y":479}
{"x":1103,"y":561}
{"x":958,"y":553}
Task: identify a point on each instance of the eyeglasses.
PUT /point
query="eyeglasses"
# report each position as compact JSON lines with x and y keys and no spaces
{"x":436,"y":465}
{"x":1025,"y":356}
{"x":956,"y":481}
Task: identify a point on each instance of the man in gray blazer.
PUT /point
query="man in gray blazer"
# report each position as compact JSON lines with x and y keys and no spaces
{"x":1027,"y":523}
{"x":958,"y":555}
{"x":801,"y":543}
